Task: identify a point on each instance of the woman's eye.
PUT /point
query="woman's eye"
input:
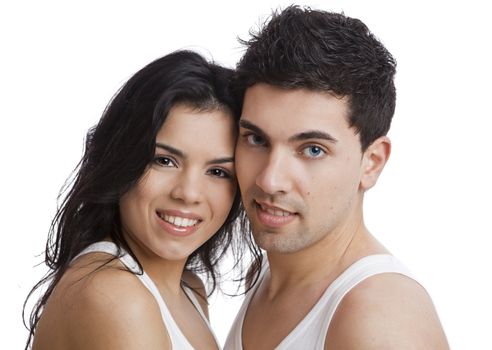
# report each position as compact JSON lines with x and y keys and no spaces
{"x":255,"y":140}
{"x":313,"y":152}
{"x":164,"y":161}
{"x":217,"y":172}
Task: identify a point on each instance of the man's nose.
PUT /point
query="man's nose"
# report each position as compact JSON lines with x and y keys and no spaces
{"x":275,"y":176}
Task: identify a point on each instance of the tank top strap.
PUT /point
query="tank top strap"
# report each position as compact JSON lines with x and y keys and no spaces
{"x":191,"y":295}
{"x":178,"y":340}
{"x":319,"y":318}
{"x":234,"y":339}
{"x":359,"y":271}
{"x":112,"y":249}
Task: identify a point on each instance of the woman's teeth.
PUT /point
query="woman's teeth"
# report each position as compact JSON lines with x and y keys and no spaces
{"x":178,"y":221}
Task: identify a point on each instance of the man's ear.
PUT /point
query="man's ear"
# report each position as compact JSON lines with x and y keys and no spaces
{"x":373,"y":161}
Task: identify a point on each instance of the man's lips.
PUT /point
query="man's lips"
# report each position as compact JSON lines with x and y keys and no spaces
{"x":273,"y":216}
{"x":273,"y":210}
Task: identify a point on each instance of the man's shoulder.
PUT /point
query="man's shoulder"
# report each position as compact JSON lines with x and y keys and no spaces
{"x":386,"y":311}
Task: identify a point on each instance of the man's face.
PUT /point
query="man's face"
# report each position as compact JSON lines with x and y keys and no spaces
{"x":299,"y":167}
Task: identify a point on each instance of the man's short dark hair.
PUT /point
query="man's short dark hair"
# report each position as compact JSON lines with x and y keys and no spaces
{"x":324,"y":51}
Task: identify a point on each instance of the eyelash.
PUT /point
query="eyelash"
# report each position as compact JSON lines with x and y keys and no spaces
{"x":322,"y":153}
{"x":161,"y":160}
{"x":224,"y":174}
{"x":248,"y":138}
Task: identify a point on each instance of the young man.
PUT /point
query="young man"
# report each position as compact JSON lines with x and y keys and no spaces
{"x":318,"y":101}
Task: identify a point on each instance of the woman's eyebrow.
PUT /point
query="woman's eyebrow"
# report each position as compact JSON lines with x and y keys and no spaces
{"x":181,"y":154}
{"x":171,"y":149}
{"x":221,"y":160}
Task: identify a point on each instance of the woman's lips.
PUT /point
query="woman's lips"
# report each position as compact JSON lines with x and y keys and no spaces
{"x":178,"y":223}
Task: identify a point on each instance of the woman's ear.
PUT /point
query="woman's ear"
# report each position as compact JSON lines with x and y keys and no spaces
{"x":373,"y":161}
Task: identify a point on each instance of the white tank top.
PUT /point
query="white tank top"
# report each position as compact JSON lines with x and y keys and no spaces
{"x":310,"y":333}
{"x":178,"y":340}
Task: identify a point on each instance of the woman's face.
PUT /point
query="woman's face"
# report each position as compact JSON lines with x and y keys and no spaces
{"x":187,"y":191}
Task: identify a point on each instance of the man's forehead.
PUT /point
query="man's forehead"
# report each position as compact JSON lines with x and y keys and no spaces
{"x":293,"y":111}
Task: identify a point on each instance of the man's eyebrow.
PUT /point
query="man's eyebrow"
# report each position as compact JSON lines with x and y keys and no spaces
{"x":171,"y":149}
{"x":313,"y":134}
{"x":305,"y":135}
{"x":248,"y":125}
{"x":181,"y":154}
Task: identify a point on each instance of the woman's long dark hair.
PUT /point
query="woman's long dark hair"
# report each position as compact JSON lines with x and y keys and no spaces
{"x":117,"y":152}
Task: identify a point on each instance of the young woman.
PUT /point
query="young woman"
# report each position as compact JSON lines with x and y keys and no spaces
{"x":154,"y":200}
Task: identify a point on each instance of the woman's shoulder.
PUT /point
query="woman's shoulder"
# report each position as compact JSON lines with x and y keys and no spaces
{"x":100,"y":304}
{"x":95,"y":277}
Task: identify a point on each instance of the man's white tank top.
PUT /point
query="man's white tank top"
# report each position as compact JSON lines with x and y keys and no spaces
{"x":178,"y":340}
{"x":310,"y":333}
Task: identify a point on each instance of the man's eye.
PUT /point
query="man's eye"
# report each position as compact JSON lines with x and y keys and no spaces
{"x":255,"y":140}
{"x":164,"y":161}
{"x":313,"y":152}
{"x":217,"y":172}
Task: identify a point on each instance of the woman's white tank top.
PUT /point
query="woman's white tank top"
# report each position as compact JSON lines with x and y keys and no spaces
{"x":178,"y":340}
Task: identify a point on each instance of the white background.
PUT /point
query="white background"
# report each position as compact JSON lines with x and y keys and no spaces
{"x":60,"y":63}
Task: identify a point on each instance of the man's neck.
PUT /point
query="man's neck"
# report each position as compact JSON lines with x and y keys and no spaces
{"x":321,"y":263}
